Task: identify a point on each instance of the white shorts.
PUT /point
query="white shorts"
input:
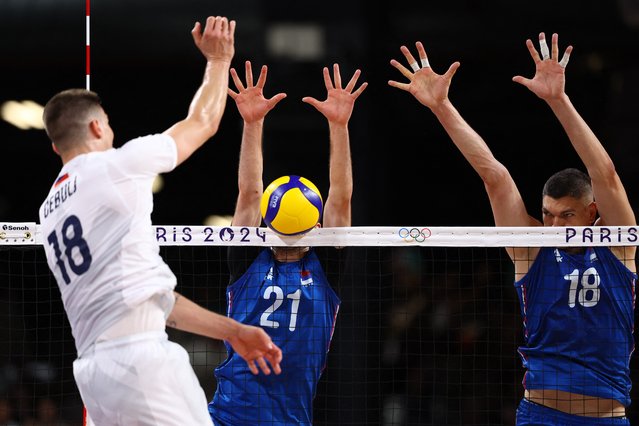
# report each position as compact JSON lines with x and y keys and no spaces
{"x":140,"y":380}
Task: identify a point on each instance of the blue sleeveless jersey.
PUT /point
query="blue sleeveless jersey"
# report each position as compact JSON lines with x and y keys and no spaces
{"x":578,"y":312}
{"x":294,"y":303}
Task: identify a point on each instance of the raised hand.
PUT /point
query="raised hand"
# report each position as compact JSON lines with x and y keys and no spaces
{"x":428,"y":87}
{"x":549,"y":81}
{"x":338,"y":106}
{"x":216,"y":41}
{"x":250,"y":100}
{"x":256,"y":347}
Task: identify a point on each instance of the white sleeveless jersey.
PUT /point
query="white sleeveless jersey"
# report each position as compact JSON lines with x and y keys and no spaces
{"x":98,"y":239}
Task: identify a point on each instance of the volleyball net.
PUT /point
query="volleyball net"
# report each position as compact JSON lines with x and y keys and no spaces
{"x":427,"y":332}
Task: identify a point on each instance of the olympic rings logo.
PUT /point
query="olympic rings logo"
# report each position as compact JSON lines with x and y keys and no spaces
{"x":415,"y":234}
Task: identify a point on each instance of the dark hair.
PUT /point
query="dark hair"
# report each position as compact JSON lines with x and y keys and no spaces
{"x":67,"y":115}
{"x":568,"y":183}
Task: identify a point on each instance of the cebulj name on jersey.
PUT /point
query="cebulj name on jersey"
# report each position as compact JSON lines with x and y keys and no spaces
{"x":66,"y":190}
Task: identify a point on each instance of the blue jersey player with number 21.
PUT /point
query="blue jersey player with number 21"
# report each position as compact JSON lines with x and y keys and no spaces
{"x":577,"y":303}
{"x":285,"y":290}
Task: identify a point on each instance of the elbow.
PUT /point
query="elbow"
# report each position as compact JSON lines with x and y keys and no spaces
{"x":606,"y":173}
{"x":336,"y":214}
{"x":249,"y":187}
{"x":495,"y":176}
{"x":250,"y":196}
{"x":212,"y":128}
{"x":208,"y":126}
{"x":340,"y":197}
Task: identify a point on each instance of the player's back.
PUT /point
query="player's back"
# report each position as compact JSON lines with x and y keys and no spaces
{"x":95,"y":222}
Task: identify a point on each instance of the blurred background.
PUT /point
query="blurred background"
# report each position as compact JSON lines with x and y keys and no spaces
{"x":146,"y":68}
{"x":425,"y":336}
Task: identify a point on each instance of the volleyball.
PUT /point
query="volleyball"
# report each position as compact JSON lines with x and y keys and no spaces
{"x":291,"y":205}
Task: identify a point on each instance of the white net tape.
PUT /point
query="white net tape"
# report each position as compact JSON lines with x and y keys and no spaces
{"x":24,"y":233}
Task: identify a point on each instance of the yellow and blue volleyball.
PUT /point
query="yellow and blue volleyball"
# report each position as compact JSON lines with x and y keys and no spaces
{"x":291,"y":205}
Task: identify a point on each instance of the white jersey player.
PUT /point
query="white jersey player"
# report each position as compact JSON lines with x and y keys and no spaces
{"x":96,"y":223}
{"x":116,"y":289}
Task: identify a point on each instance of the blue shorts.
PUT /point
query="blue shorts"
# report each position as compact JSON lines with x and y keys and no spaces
{"x":532,"y":414}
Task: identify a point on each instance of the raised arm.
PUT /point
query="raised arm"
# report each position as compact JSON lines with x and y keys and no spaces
{"x":251,"y":343}
{"x":216,"y":43}
{"x":431,"y":90}
{"x":337,"y":108}
{"x":253,"y":107}
{"x":549,"y":84}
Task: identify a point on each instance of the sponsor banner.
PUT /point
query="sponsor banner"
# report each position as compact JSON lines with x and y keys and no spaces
{"x":18,"y":233}
{"x":401,"y":236}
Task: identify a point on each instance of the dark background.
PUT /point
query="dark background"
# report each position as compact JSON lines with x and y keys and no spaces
{"x":406,"y":170}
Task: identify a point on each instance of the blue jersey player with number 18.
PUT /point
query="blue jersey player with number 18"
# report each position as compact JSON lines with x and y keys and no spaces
{"x":99,"y":243}
{"x":285,"y":290}
{"x":577,"y":303}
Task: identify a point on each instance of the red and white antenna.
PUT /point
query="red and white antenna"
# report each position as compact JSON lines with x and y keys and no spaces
{"x":86,"y":420}
{"x":88,"y":45}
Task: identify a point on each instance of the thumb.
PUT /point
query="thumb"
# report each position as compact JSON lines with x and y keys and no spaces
{"x":276,"y":99}
{"x":311,"y":101}
{"x":452,"y":70}
{"x":195,"y":32}
{"x":522,"y":80}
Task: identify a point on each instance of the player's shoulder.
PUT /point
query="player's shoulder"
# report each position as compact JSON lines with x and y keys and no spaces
{"x":158,"y":151}
{"x":147,"y":142}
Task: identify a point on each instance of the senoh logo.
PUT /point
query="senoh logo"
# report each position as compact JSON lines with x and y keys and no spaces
{"x":14,"y":228}
{"x":414,"y":234}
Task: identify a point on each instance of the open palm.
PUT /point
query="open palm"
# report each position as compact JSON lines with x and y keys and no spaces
{"x":339,"y":103}
{"x":250,"y":100}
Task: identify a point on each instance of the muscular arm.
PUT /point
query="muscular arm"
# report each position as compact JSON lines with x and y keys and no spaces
{"x":505,"y":200}
{"x":251,"y":343}
{"x":337,"y":211}
{"x":253,"y":107}
{"x":207,"y":107}
{"x":431,"y":90}
{"x":549,"y":84}
{"x":338,"y":108}
{"x":249,"y":176}
{"x":612,"y":201}
{"x":610,"y":195}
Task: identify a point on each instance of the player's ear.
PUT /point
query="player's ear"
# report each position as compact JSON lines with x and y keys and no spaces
{"x":592,"y":211}
{"x":55,"y":148}
{"x":96,"y":128}
{"x":319,"y":225}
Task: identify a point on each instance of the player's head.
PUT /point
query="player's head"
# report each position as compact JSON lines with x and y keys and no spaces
{"x":73,"y":117}
{"x":567,"y":199}
{"x":291,"y":254}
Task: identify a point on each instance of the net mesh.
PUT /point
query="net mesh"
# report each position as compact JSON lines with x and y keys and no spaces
{"x":425,"y":334}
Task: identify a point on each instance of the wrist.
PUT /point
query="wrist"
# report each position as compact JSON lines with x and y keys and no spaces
{"x":255,"y":123}
{"x":338,"y":125}
{"x":442,"y":107}
{"x":561,"y":100}
{"x":232,"y":331}
{"x":218,"y":62}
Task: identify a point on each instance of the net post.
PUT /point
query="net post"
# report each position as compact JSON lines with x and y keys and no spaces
{"x":88,"y":45}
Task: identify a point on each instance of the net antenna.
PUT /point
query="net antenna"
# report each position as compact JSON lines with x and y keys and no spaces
{"x":86,"y":420}
{"x":88,"y":44}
